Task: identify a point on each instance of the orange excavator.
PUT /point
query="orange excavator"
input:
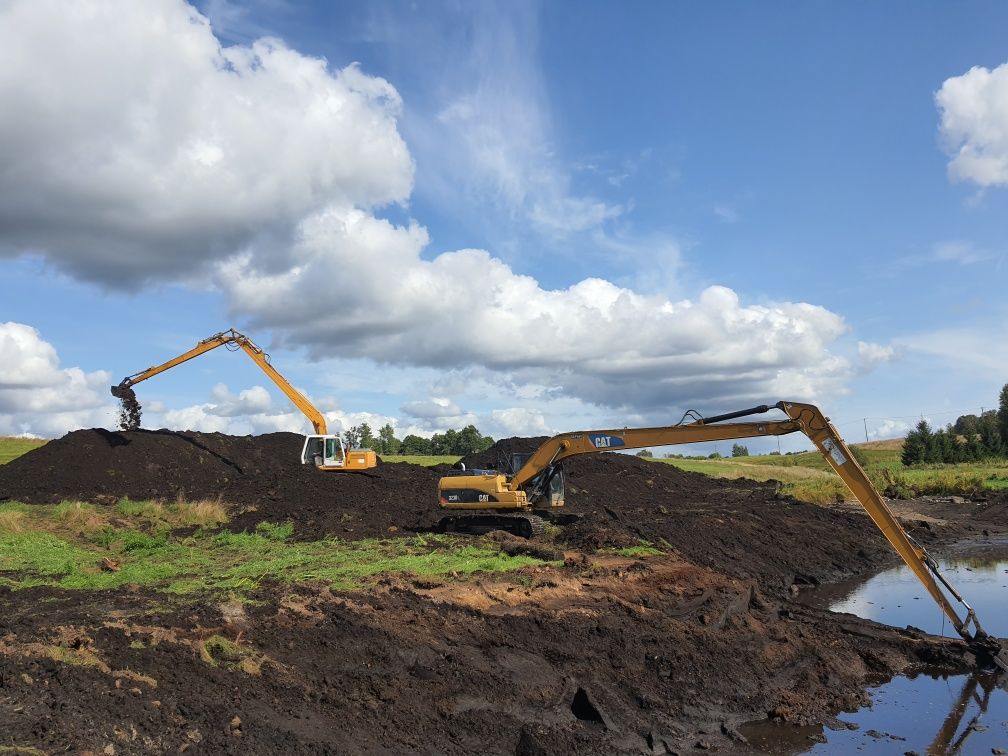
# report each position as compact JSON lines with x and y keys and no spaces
{"x":532,"y":489}
{"x":322,"y":449}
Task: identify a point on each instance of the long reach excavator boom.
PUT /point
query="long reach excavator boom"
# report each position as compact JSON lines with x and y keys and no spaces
{"x":321,"y":449}
{"x":533,"y":485}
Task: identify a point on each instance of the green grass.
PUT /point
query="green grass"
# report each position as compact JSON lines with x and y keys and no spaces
{"x":808,"y":477}
{"x":43,"y":551}
{"x":420,"y":459}
{"x":12,"y":448}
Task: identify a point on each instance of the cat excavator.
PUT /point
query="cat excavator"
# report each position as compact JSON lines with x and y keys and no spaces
{"x":531,"y":489}
{"x":321,"y":449}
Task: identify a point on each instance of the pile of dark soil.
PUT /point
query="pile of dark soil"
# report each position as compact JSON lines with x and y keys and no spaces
{"x":741,"y":528}
{"x":496,"y":457}
{"x":259,"y":475}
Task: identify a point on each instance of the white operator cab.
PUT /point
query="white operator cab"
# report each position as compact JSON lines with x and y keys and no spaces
{"x":327,"y":453}
{"x":323,"y":451}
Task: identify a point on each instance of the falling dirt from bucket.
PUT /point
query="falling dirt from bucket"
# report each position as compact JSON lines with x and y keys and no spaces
{"x":129,"y":408}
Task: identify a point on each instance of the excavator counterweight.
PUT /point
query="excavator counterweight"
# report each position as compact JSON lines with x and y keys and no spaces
{"x":533,"y":487}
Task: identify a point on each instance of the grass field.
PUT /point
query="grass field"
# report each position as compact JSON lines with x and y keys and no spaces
{"x":419,"y":459}
{"x":79,"y":546}
{"x":806,"y":476}
{"x":12,"y":448}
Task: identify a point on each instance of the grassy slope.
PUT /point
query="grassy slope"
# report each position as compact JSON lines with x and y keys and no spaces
{"x":64,"y":545}
{"x":12,"y":448}
{"x":807,"y":476}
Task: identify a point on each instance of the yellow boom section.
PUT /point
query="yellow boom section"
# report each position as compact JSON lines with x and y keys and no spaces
{"x":231,"y":336}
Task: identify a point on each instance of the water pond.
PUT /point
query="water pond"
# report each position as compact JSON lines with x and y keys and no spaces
{"x":964,"y":714}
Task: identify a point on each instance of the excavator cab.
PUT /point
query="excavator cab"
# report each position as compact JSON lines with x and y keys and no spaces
{"x":545,"y":490}
{"x":327,"y":453}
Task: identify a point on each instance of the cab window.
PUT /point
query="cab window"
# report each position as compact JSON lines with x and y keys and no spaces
{"x":332,"y":450}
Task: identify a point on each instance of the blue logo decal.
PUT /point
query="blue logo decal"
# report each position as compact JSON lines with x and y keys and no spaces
{"x":600,"y":441}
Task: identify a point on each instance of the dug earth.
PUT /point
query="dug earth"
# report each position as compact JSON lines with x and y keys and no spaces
{"x":658,"y":622}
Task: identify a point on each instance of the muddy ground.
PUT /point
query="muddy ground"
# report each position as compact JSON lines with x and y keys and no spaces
{"x":606,"y":653}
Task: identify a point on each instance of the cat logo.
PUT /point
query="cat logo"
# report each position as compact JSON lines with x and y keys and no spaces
{"x":602,"y":441}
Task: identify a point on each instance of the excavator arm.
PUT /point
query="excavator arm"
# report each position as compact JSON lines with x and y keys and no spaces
{"x":323,"y":450}
{"x":238,"y":340}
{"x":803,"y":418}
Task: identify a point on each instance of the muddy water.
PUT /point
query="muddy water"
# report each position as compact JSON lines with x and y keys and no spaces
{"x":965,"y":714}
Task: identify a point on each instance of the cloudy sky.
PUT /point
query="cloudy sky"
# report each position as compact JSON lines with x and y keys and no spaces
{"x":533,"y":217}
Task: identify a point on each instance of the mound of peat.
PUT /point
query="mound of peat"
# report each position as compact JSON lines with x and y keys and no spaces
{"x":261,"y":475}
{"x":739,"y":527}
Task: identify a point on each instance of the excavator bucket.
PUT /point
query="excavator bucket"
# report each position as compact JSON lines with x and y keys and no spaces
{"x":998,"y":650}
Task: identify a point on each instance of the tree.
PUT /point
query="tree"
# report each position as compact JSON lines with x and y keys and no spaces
{"x":1003,"y":413}
{"x":444,"y":443}
{"x":914,"y":447}
{"x":974,"y":448}
{"x":360,"y":437}
{"x":947,"y":446}
{"x":645,"y":453}
{"x":367,"y":440}
{"x":387,"y":440}
{"x":468,"y":441}
{"x":413,"y":444}
{"x":990,"y":440}
{"x":967,"y":425}
{"x":739,"y":450}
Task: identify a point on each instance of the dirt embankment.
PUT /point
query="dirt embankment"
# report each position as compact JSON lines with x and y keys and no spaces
{"x":260,"y":477}
{"x":619,"y":655}
{"x":602,"y":655}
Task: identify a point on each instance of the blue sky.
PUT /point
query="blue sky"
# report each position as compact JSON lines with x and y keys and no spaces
{"x":511,"y":214}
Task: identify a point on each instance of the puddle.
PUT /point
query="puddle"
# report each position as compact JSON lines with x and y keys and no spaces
{"x":924,"y":714}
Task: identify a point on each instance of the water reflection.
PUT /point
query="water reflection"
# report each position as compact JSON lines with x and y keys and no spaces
{"x":924,"y":714}
{"x":930,"y":714}
{"x":947,"y":740}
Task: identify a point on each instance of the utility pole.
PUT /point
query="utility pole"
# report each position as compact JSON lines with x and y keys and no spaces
{"x":865,"y":429}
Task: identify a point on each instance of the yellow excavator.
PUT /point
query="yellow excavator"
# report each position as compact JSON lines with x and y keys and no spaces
{"x":532,"y":488}
{"x":321,"y":449}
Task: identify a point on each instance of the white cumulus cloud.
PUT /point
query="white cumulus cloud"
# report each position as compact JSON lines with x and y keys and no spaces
{"x":140,"y":147}
{"x":871,"y":355}
{"x":519,"y":421}
{"x":974,"y":125}
{"x":252,"y":410}
{"x":596,"y":340}
{"x":250,"y":401}
{"x":889,"y":429}
{"x":39,"y":397}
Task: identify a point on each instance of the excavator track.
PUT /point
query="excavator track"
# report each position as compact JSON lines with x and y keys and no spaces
{"x":521,"y":525}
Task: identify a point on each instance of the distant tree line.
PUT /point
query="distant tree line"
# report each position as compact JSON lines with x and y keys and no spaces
{"x":452,"y":442}
{"x":970,"y":439}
